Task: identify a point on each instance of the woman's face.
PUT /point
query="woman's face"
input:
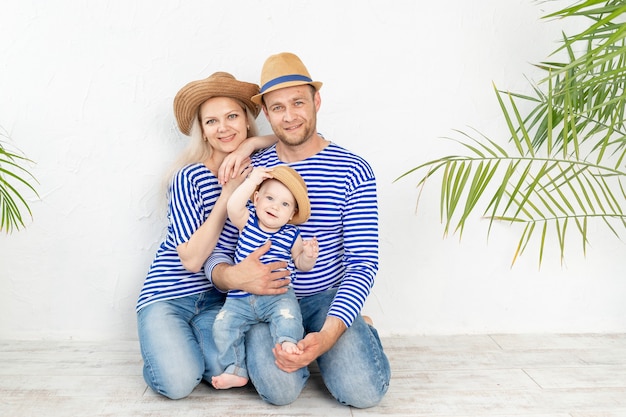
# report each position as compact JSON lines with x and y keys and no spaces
{"x":224,"y":123}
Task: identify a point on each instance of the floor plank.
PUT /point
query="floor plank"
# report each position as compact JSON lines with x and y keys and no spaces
{"x":552,"y":375}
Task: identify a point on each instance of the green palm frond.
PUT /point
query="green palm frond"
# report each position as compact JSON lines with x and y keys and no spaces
{"x":13,"y":175}
{"x":565,"y":167}
{"x":590,"y":88}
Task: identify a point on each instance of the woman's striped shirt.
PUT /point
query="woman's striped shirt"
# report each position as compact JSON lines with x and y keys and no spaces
{"x":192,"y":195}
{"x":344,"y":218}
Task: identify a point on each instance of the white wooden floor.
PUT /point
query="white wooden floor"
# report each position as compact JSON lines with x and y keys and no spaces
{"x":460,"y":376}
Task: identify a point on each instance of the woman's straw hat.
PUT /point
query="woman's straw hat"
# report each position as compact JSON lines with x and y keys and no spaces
{"x":292,"y":180}
{"x":283,"y":70}
{"x":220,"y":84}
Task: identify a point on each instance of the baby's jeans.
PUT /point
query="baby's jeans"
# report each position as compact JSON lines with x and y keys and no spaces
{"x":281,"y":312}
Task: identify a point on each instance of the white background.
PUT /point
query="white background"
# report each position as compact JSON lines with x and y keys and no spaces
{"x":86,"y":92}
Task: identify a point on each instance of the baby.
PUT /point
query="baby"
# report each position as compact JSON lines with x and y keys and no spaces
{"x":280,"y":203}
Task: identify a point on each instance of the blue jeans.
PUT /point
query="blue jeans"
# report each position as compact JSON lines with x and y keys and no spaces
{"x":281,"y":312}
{"x":355,"y":370}
{"x":176,"y":339}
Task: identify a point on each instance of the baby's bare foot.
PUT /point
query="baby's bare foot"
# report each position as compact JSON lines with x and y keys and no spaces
{"x":226,"y":381}
{"x":290,"y":347}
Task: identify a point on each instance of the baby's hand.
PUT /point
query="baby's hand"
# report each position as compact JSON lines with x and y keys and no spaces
{"x":259,"y":174}
{"x":310,"y":248}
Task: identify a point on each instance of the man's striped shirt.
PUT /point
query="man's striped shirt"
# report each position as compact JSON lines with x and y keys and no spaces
{"x":344,"y":218}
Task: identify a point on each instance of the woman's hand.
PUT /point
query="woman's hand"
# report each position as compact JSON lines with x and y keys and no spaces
{"x":234,"y":163}
{"x":235,"y":181}
{"x":239,"y":158}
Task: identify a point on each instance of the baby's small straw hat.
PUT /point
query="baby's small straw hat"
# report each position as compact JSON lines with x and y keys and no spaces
{"x":219,"y":84}
{"x":292,"y":180}
{"x":283,"y":70}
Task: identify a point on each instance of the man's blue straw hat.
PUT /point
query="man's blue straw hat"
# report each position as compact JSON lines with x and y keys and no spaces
{"x":283,"y":70}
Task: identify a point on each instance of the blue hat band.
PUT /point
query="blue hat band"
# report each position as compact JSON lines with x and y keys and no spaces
{"x":284,"y":79}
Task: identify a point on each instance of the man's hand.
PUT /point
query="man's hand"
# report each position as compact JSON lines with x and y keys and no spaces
{"x":253,"y":276}
{"x":312,"y":346}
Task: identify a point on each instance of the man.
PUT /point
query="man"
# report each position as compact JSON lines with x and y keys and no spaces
{"x":344,"y":219}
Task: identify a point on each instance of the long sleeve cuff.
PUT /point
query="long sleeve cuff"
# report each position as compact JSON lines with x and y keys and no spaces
{"x":214,"y":260}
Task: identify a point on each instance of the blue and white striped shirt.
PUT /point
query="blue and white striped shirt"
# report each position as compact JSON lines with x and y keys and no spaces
{"x":344,"y":218}
{"x":192,"y":195}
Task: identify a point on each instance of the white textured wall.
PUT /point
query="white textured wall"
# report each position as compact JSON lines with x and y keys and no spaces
{"x":86,"y":91}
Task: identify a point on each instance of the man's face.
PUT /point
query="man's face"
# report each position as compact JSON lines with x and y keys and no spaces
{"x":292,"y":112}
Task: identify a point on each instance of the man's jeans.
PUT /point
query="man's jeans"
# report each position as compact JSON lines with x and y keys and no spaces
{"x":176,"y":338}
{"x":282,"y":312}
{"x":356,"y":370}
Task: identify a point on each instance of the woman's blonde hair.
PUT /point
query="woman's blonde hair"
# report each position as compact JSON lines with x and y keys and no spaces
{"x":198,"y":150}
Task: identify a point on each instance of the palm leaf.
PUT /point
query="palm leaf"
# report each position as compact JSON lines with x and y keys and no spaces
{"x":12,"y":202}
{"x":566,"y":163}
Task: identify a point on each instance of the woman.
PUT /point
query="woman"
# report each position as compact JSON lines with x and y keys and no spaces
{"x":177,"y":304}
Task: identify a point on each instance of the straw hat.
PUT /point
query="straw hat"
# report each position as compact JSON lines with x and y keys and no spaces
{"x":283,"y":70}
{"x":292,"y":180}
{"x":220,"y":84}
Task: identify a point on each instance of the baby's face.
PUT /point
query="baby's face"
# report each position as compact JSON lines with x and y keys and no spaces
{"x":275,"y":205}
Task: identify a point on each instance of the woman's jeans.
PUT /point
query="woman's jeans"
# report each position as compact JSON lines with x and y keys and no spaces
{"x":355,"y":370}
{"x":176,"y":338}
{"x":281,"y":312}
